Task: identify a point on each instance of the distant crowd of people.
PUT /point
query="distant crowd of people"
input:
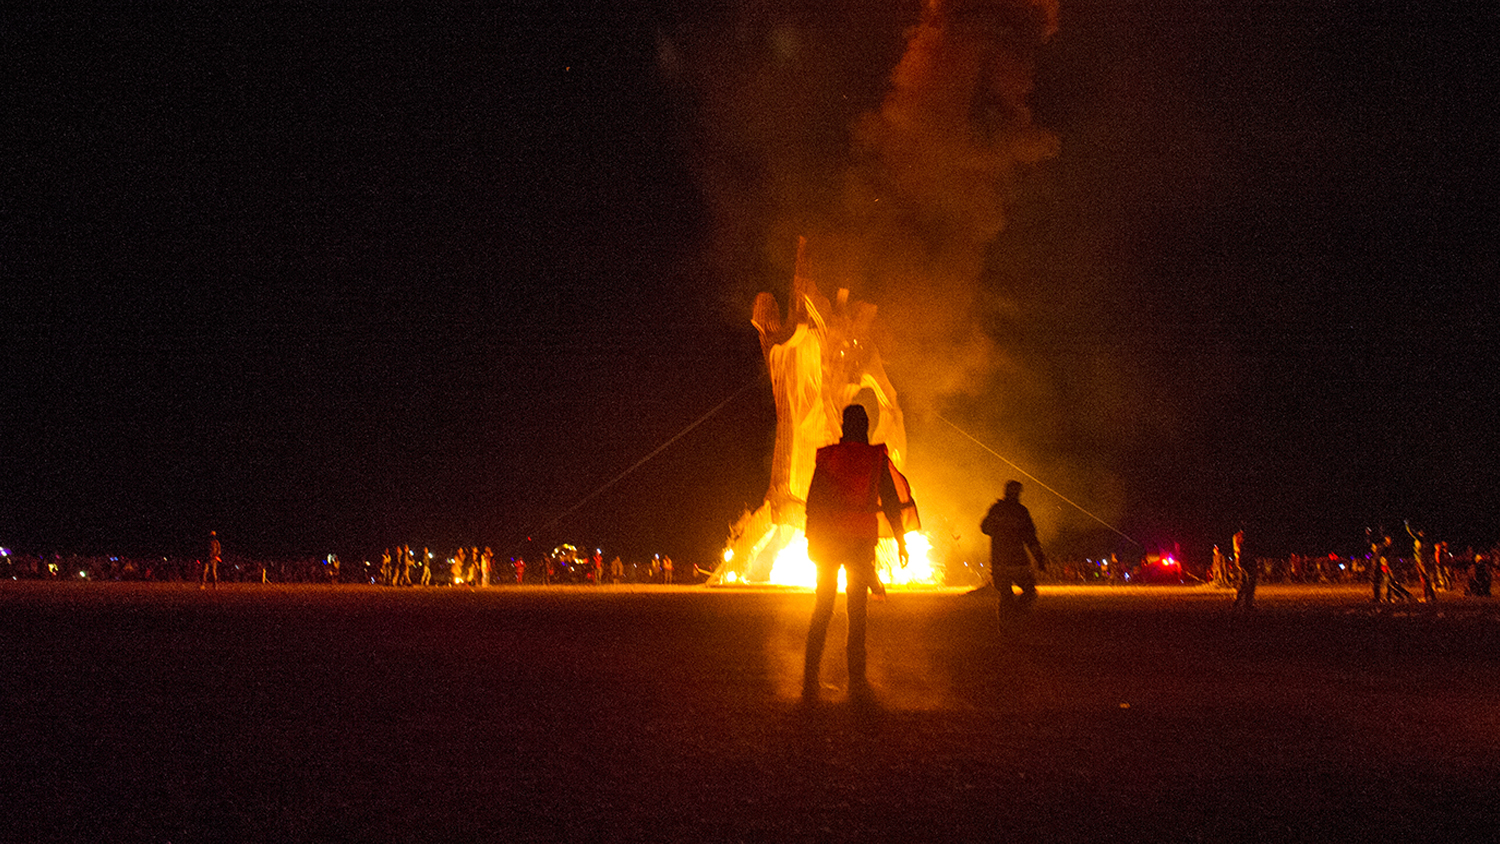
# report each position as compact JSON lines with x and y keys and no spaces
{"x":474,"y":566}
{"x":1392,"y":568}
{"x":1429,"y":567}
{"x":398,"y":566}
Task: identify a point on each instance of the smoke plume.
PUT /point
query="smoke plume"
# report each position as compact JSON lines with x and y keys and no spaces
{"x":895,"y":141}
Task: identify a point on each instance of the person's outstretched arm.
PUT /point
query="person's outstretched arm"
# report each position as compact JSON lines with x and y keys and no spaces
{"x":890,"y":505}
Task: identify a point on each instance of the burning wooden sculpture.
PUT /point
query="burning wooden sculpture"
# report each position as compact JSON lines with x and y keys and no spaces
{"x":820,"y":357}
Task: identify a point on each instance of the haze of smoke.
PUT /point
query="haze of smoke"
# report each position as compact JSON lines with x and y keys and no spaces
{"x":927,"y":193}
{"x":897,"y":159}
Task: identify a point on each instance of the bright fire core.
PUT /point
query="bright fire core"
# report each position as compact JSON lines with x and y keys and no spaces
{"x":794,"y":568}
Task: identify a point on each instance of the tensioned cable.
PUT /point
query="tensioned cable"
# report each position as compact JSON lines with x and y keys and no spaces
{"x":1037,"y":480}
{"x":659,"y":449}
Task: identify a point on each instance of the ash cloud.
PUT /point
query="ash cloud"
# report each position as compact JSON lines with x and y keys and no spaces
{"x":900,"y":142}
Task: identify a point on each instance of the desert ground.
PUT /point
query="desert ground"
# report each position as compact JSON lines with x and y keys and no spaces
{"x":166,"y":713}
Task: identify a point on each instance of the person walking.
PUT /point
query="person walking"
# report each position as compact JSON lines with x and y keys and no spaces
{"x":1012,"y":535}
{"x":853,"y":483}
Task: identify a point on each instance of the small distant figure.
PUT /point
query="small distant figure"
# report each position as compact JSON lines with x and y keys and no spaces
{"x":1425,"y":565}
{"x":211,"y":565}
{"x":1244,"y":599}
{"x":1390,"y":571}
{"x":1012,"y":534}
{"x":1379,"y":547}
{"x":456,"y":566}
{"x":520,"y":571}
{"x":1480,"y":581}
{"x":616,"y":570}
{"x":1220,"y":572}
{"x":426,"y":563}
{"x":408,"y":560}
{"x":1442,"y":564}
{"x":485,"y":560}
{"x":852,"y":483}
{"x":666,"y":569}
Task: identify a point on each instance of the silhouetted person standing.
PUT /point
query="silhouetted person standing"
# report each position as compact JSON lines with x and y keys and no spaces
{"x":211,"y":565}
{"x":1378,"y":547}
{"x":853,"y":482}
{"x":1420,"y":559}
{"x":457,"y":565}
{"x":1012,"y":534}
{"x":404,"y":561}
{"x":1249,"y":574}
{"x":1480,"y":583}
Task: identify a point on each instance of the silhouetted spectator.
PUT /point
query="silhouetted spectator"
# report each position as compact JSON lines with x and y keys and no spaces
{"x":1012,"y":535}
{"x":211,"y":565}
{"x":852,"y":482}
{"x":1244,"y":599}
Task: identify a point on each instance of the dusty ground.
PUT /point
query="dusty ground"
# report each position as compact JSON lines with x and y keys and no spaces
{"x":165,"y":713}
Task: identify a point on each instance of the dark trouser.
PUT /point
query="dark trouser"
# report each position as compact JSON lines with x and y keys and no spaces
{"x":1377,"y":580}
{"x":1021,"y":576}
{"x":858,"y":563}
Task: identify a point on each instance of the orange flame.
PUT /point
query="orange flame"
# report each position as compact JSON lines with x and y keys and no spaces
{"x":794,"y":568}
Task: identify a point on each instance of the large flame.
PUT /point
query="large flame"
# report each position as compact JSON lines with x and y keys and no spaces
{"x":794,"y":568}
{"x":901,"y":202}
{"x":820,"y":357}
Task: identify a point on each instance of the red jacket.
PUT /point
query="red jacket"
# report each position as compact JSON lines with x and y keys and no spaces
{"x":855,"y":492}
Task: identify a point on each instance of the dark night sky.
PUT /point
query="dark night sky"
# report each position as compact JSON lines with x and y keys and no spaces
{"x":331,"y":280}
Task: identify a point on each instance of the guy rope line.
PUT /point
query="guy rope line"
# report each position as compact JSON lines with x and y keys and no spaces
{"x":1037,"y":480}
{"x":659,"y":449}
